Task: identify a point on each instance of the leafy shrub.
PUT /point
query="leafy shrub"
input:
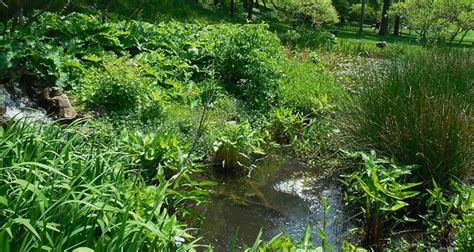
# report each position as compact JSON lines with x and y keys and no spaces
{"x":302,"y":39}
{"x":234,"y":146}
{"x":317,"y":12}
{"x":248,"y":59}
{"x":118,"y":86}
{"x":419,"y":109}
{"x":62,"y":189}
{"x":152,"y":151}
{"x":285,"y":124}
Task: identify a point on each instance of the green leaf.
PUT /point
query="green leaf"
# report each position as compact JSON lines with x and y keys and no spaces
{"x":3,"y":201}
{"x":27,"y":224}
{"x":398,"y":206}
{"x":306,"y":237}
{"x":83,"y":249}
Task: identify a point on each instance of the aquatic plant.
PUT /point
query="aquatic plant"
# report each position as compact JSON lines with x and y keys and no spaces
{"x":419,"y":109}
{"x":234,"y":145}
{"x":380,"y":189}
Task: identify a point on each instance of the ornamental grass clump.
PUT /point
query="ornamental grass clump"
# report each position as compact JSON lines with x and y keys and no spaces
{"x":419,"y":109}
{"x":63,"y":189}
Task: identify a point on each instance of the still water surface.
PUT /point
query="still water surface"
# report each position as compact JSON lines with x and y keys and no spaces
{"x":281,"y":194}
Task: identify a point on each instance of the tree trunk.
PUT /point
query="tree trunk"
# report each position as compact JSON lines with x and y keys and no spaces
{"x":274,"y":5}
{"x":453,"y":36}
{"x":232,"y":3}
{"x":396,"y":28}
{"x":249,"y":9}
{"x":362,"y":17}
{"x":384,"y":25}
{"x":463,"y":36}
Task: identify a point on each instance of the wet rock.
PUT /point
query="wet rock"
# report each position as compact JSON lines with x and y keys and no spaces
{"x":381,"y":44}
{"x":3,"y":107}
{"x":58,"y":103}
{"x":3,"y":101}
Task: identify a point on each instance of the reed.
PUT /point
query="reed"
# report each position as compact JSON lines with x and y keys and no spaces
{"x":419,"y":109}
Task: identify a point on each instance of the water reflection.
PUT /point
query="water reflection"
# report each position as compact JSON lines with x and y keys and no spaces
{"x":282,"y":194}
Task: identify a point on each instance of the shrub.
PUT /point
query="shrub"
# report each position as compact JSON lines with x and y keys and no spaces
{"x":234,"y":146}
{"x":318,"y":12}
{"x":248,"y":59}
{"x":302,"y":39}
{"x":118,"y":85}
{"x":450,"y":213}
{"x":418,"y":108}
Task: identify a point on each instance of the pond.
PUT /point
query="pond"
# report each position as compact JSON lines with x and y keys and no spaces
{"x":281,"y":194}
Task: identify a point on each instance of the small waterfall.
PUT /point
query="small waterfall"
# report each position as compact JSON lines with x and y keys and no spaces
{"x":21,"y":107}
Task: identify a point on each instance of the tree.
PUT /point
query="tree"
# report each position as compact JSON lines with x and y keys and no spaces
{"x":249,"y":9}
{"x":398,"y":20}
{"x":232,"y":7}
{"x":437,"y":21}
{"x":384,"y":24}
{"x":362,"y":16}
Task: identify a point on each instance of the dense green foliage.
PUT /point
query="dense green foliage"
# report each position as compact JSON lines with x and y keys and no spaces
{"x":64,"y":188}
{"x":439,"y":20}
{"x":419,"y":109}
{"x":248,"y":61}
{"x":169,"y":103}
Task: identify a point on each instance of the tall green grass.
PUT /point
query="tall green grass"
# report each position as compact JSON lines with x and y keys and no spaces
{"x":62,"y":188}
{"x":419,"y":109}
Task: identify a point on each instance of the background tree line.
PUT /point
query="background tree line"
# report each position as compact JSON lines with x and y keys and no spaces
{"x":433,"y":21}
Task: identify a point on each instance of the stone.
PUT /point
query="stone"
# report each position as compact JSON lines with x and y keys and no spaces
{"x":381,"y":44}
{"x":3,"y":105}
{"x":57,"y":102}
{"x":63,"y":107}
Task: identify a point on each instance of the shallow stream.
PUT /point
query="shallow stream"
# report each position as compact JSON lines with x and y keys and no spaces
{"x":281,"y":194}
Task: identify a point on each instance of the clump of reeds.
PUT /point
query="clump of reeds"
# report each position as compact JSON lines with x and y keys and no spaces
{"x":419,"y":109}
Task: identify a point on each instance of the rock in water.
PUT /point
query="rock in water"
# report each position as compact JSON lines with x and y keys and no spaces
{"x":63,"y":107}
{"x":55,"y":101}
{"x":381,"y":44}
{"x":3,"y":105}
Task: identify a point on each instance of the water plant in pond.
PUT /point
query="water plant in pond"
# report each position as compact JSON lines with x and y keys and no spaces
{"x":449,"y":218}
{"x":380,"y":189}
{"x":234,"y":145}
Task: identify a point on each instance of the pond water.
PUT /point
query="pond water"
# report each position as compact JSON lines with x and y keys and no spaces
{"x":281,"y":194}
